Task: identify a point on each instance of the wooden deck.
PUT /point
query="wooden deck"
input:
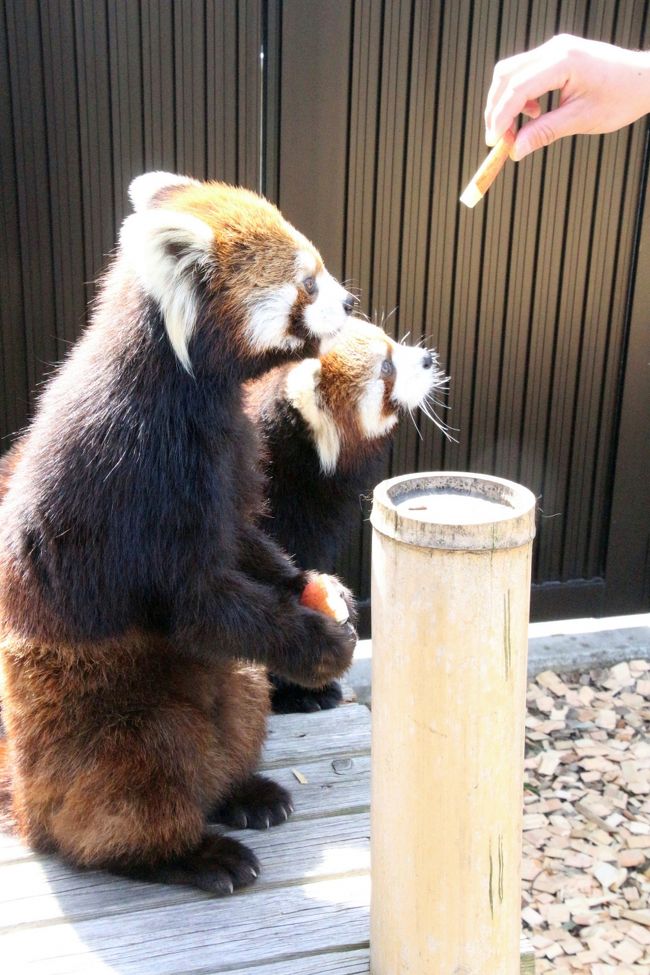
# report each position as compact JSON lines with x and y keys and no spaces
{"x":306,"y":915}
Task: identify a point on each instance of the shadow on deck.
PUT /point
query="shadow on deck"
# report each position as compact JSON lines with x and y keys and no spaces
{"x":306,"y":915}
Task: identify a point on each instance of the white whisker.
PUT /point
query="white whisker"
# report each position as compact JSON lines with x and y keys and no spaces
{"x":427,"y":407}
{"x":417,"y":429}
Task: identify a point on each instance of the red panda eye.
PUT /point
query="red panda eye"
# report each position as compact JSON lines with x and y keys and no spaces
{"x":387,"y":368}
{"x":310,"y":286}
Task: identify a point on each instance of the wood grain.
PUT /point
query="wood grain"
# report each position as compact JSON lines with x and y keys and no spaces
{"x":307,"y":915}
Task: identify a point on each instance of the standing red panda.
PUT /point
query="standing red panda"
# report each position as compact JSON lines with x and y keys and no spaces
{"x":326,"y":425}
{"x":136,"y":589}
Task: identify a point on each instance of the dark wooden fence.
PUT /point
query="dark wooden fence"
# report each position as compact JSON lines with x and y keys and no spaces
{"x":363,"y":119}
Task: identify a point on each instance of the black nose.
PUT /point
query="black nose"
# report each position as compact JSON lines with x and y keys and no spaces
{"x":427,"y":360}
{"x":349,"y":302}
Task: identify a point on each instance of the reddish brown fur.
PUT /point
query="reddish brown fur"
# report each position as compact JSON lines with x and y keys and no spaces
{"x":191,"y":717}
{"x":134,"y":578}
{"x":343,"y":377}
{"x":238,"y":271}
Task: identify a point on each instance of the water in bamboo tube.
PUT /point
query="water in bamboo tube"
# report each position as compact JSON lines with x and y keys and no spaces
{"x":451,"y":564}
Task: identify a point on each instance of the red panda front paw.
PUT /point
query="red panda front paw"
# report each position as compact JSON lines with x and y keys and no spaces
{"x":327,"y":650}
{"x":328,"y":595}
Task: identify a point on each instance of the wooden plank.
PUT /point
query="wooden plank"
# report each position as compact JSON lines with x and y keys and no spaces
{"x":326,"y":793}
{"x":67,"y":922}
{"x":294,"y":740}
{"x":243,"y":930}
{"x":295,"y":737}
{"x":328,"y":790}
{"x":45,"y":889}
{"x":203,"y":938}
{"x":349,"y":963}
{"x":355,"y":962}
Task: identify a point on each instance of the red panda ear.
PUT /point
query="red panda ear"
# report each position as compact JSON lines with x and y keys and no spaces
{"x":144,"y":188}
{"x":165,"y":248}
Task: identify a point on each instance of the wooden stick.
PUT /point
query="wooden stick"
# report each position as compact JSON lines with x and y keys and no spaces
{"x":450,"y":595}
{"x":488,"y":171}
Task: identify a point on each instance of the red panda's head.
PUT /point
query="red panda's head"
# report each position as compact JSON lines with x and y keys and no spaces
{"x":214,"y":255}
{"x":356,"y":390}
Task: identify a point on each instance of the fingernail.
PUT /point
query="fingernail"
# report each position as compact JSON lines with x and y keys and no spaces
{"x":519,"y":152}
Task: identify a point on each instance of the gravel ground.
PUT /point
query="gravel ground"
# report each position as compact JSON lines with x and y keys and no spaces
{"x":586,"y":866}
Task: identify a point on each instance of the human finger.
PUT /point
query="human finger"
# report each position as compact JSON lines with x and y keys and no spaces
{"x":546,"y":129}
{"x":532,"y":108}
{"x":525,"y":86}
{"x":504,"y":70}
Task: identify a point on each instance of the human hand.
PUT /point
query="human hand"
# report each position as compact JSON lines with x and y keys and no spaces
{"x":602,"y":88}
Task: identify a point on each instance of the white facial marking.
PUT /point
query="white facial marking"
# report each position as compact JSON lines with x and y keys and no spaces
{"x":143,"y":188}
{"x":326,"y":315}
{"x":302,"y":382}
{"x":165,"y":248}
{"x":412,"y":381}
{"x":267,"y":326}
{"x":305,"y":265}
{"x":372,"y":422}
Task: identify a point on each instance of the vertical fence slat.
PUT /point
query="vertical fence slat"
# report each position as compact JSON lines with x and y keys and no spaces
{"x":15,"y":383}
{"x":313,"y":129}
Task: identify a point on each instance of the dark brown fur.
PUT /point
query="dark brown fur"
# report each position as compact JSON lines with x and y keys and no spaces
{"x":138,"y":597}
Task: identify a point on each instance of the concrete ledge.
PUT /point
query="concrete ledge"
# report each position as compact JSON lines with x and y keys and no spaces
{"x":562,"y":645}
{"x":583,"y":644}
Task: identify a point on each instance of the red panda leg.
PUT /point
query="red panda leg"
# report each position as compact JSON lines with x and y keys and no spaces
{"x":125,"y":783}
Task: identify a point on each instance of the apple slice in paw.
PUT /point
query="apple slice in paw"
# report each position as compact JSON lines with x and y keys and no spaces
{"x":323,"y":593}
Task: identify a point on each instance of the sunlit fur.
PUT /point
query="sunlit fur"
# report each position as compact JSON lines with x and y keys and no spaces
{"x":138,"y":594}
{"x":326,"y":425}
{"x":189,"y":240}
{"x":168,"y":250}
{"x":300,"y":391}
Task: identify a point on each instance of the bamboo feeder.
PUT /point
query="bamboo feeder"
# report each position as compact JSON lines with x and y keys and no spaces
{"x":451,"y":565}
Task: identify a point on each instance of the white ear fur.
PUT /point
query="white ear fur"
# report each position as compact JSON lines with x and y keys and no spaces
{"x":143,"y":188}
{"x":165,"y":248}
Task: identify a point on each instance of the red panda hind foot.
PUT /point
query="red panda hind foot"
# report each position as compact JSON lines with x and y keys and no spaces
{"x":290,"y":698}
{"x":219,"y":865}
{"x":257,"y":803}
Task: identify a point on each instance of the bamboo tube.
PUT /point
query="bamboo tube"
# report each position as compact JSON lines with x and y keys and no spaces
{"x":450,"y":605}
{"x":488,"y":171}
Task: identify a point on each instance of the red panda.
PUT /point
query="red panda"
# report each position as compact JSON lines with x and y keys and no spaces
{"x":326,"y":425}
{"x":138,"y":595}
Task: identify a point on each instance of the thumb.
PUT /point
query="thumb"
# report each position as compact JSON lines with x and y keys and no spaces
{"x":544,"y":130}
